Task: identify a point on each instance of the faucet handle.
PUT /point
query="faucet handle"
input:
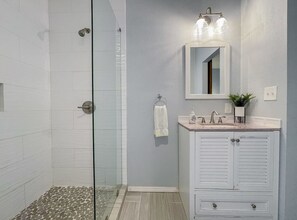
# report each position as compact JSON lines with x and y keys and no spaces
{"x":203,"y":120}
{"x":220,"y":121}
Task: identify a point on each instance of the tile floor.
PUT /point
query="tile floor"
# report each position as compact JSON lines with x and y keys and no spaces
{"x":152,"y":206}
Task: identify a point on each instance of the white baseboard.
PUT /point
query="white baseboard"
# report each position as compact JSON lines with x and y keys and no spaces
{"x":151,"y":189}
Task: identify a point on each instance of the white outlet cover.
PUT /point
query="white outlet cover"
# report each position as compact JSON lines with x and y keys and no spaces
{"x":270,"y":93}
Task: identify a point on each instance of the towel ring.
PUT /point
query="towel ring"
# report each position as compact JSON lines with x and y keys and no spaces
{"x":160,"y":101}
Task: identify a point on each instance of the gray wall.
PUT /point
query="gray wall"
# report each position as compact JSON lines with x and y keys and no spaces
{"x":157,"y":30}
{"x":264,"y":63}
{"x":291,"y":177}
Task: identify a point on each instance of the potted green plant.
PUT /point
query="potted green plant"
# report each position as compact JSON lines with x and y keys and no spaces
{"x":240,"y":102}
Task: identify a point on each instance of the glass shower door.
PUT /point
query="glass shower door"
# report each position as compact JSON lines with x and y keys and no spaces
{"x":107,"y":99}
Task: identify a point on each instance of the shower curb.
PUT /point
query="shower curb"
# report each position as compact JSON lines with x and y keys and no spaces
{"x":117,"y":207}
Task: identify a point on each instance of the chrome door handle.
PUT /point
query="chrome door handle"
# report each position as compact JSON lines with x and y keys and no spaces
{"x":88,"y":107}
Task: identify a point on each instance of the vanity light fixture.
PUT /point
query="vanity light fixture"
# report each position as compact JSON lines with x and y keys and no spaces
{"x":204,"y":22}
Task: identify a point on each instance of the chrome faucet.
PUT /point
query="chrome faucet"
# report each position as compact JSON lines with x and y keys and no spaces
{"x":212,"y":121}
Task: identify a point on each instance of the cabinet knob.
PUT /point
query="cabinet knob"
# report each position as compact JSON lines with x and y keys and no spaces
{"x":253,"y":206}
{"x":232,"y":140}
{"x":237,"y":140}
{"x":214,"y":205}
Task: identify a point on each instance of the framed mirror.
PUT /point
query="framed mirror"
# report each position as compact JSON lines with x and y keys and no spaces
{"x":207,"y":70}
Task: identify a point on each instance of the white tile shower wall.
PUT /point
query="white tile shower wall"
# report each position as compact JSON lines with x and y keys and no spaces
{"x":71,"y":85}
{"x":107,"y":86}
{"x":119,"y":8}
{"x":25,"y":126}
{"x":124,"y":100}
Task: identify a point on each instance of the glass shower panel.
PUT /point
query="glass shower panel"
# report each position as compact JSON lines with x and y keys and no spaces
{"x":107,"y":99}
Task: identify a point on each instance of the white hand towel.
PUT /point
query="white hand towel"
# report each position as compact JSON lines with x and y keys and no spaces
{"x":161,"y":121}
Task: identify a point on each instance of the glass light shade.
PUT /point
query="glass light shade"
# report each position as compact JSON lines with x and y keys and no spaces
{"x":201,"y":23}
{"x":221,"y":25}
{"x":221,"y":22}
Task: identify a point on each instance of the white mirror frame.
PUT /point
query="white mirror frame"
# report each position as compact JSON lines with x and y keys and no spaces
{"x":226,"y":46}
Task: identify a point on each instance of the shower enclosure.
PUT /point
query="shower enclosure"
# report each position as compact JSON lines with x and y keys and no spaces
{"x":64,"y":161}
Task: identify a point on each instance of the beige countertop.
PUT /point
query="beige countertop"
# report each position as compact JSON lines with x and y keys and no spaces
{"x":252,"y":125}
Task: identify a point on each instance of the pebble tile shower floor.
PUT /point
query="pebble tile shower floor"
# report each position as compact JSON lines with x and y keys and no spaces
{"x":68,"y":203}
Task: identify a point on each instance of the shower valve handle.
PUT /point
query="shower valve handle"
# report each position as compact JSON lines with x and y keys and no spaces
{"x":88,"y":107}
{"x":84,"y":107}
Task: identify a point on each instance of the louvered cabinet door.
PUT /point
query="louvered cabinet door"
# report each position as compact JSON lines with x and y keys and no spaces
{"x":214,"y":160}
{"x":253,"y":161}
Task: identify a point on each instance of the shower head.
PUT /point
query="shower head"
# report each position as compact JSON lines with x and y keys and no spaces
{"x":84,"y":31}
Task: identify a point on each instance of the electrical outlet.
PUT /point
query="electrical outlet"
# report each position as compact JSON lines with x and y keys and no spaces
{"x":228,"y":108}
{"x":270,"y":93}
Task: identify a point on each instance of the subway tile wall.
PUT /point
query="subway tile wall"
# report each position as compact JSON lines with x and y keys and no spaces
{"x":25,"y":124}
{"x":119,"y":8}
{"x":107,"y":91}
{"x":71,"y":85}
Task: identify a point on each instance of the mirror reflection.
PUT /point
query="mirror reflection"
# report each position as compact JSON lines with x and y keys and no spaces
{"x":206,"y":70}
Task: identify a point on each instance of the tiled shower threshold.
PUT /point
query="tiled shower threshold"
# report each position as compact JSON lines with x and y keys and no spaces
{"x":75,"y":203}
{"x":117,"y":207}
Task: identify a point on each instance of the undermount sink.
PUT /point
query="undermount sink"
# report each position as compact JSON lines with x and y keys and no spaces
{"x":219,"y":125}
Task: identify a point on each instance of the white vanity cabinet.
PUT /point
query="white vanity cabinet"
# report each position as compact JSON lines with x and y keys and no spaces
{"x":229,"y":174}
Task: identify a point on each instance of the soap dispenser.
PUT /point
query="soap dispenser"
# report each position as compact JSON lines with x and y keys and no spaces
{"x":192,"y":117}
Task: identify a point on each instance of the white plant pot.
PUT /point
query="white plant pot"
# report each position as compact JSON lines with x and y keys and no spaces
{"x":239,"y":111}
